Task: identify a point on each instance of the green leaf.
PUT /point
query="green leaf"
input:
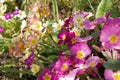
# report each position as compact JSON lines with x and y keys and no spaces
{"x":17,"y":27}
{"x":112,"y":64}
{"x":67,"y":52}
{"x":103,"y":7}
{"x":2,"y":51}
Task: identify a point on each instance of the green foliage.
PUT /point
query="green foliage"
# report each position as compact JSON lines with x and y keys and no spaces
{"x":104,"y":6}
{"x":112,"y":64}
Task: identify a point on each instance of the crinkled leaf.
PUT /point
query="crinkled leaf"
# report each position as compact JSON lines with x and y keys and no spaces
{"x":112,"y":64}
{"x":103,"y":7}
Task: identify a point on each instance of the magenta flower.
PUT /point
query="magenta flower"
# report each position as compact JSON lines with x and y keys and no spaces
{"x":89,"y":25}
{"x":46,"y":75}
{"x":63,"y":56}
{"x":62,"y":66}
{"x":80,"y":50}
{"x":67,"y":23}
{"x":70,"y":76}
{"x":110,"y":75}
{"x":29,"y":60}
{"x":110,"y":34}
{"x":83,"y":39}
{"x":16,"y":12}
{"x":92,"y":61}
{"x":62,"y":36}
{"x":81,"y":66}
{"x":1,"y":29}
{"x":8,"y":16}
{"x":72,"y":19}
{"x":71,"y":39}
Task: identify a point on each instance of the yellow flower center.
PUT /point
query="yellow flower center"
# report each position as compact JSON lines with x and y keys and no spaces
{"x":113,"y":38}
{"x":36,"y":9}
{"x":78,"y":20}
{"x":64,"y":67}
{"x":33,"y":41}
{"x":116,"y":76}
{"x":47,"y":77}
{"x":80,"y":54}
{"x":73,"y":40}
{"x":76,"y":33}
{"x":37,"y":26}
{"x":35,"y":68}
{"x":91,"y":63}
{"x":58,"y":26}
{"x":80,"y":25}
{"x":64,"y":37}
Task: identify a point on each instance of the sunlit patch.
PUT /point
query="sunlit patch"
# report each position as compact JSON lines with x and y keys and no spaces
{"x":80,"y":55}
{"x":47,"y":77}
{"x":64,"y":66}
{"x":116,"y":76}
{"x":73,"y":40}
{"x":63,"y":37}
{"x":113,"y":38}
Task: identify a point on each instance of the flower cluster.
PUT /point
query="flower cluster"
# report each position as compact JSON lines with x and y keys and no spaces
{"x":79,"y":47}
{"x":79,"y":58}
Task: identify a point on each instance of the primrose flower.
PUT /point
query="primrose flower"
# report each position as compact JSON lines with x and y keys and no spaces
{"x":36,"y":7}
{"x":1,"y":29}
{"x":16,"y":11}
{"x":62,"y":36}
{"x":110,"y":75}
{"x":67,"y":23}
{"x":8,"y":16}
{"x":81,"y":67}
{"x":46,"y":75}
{"x":29,"y":60}
{"x":21,"y":14}
{"x":32,"y":41}
{"x":71,"y":39}
{"x":92,"y":61}
{"x":62,"y":66}
{"x":2,"y":8}
{"x":110,"y":34}
{"x":37,"y":26}
{"x":76,"y":31}
{"x":78,"y":21}
{"x":78,"y":18}
{"x":57,"y":26}
{"x":23,"y":25}
{"x":70,"y":76}
{"x":34,"y":68}
{"x":80,"y":50}
{"x":89,"y":25}
{"x":83,"y":39}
